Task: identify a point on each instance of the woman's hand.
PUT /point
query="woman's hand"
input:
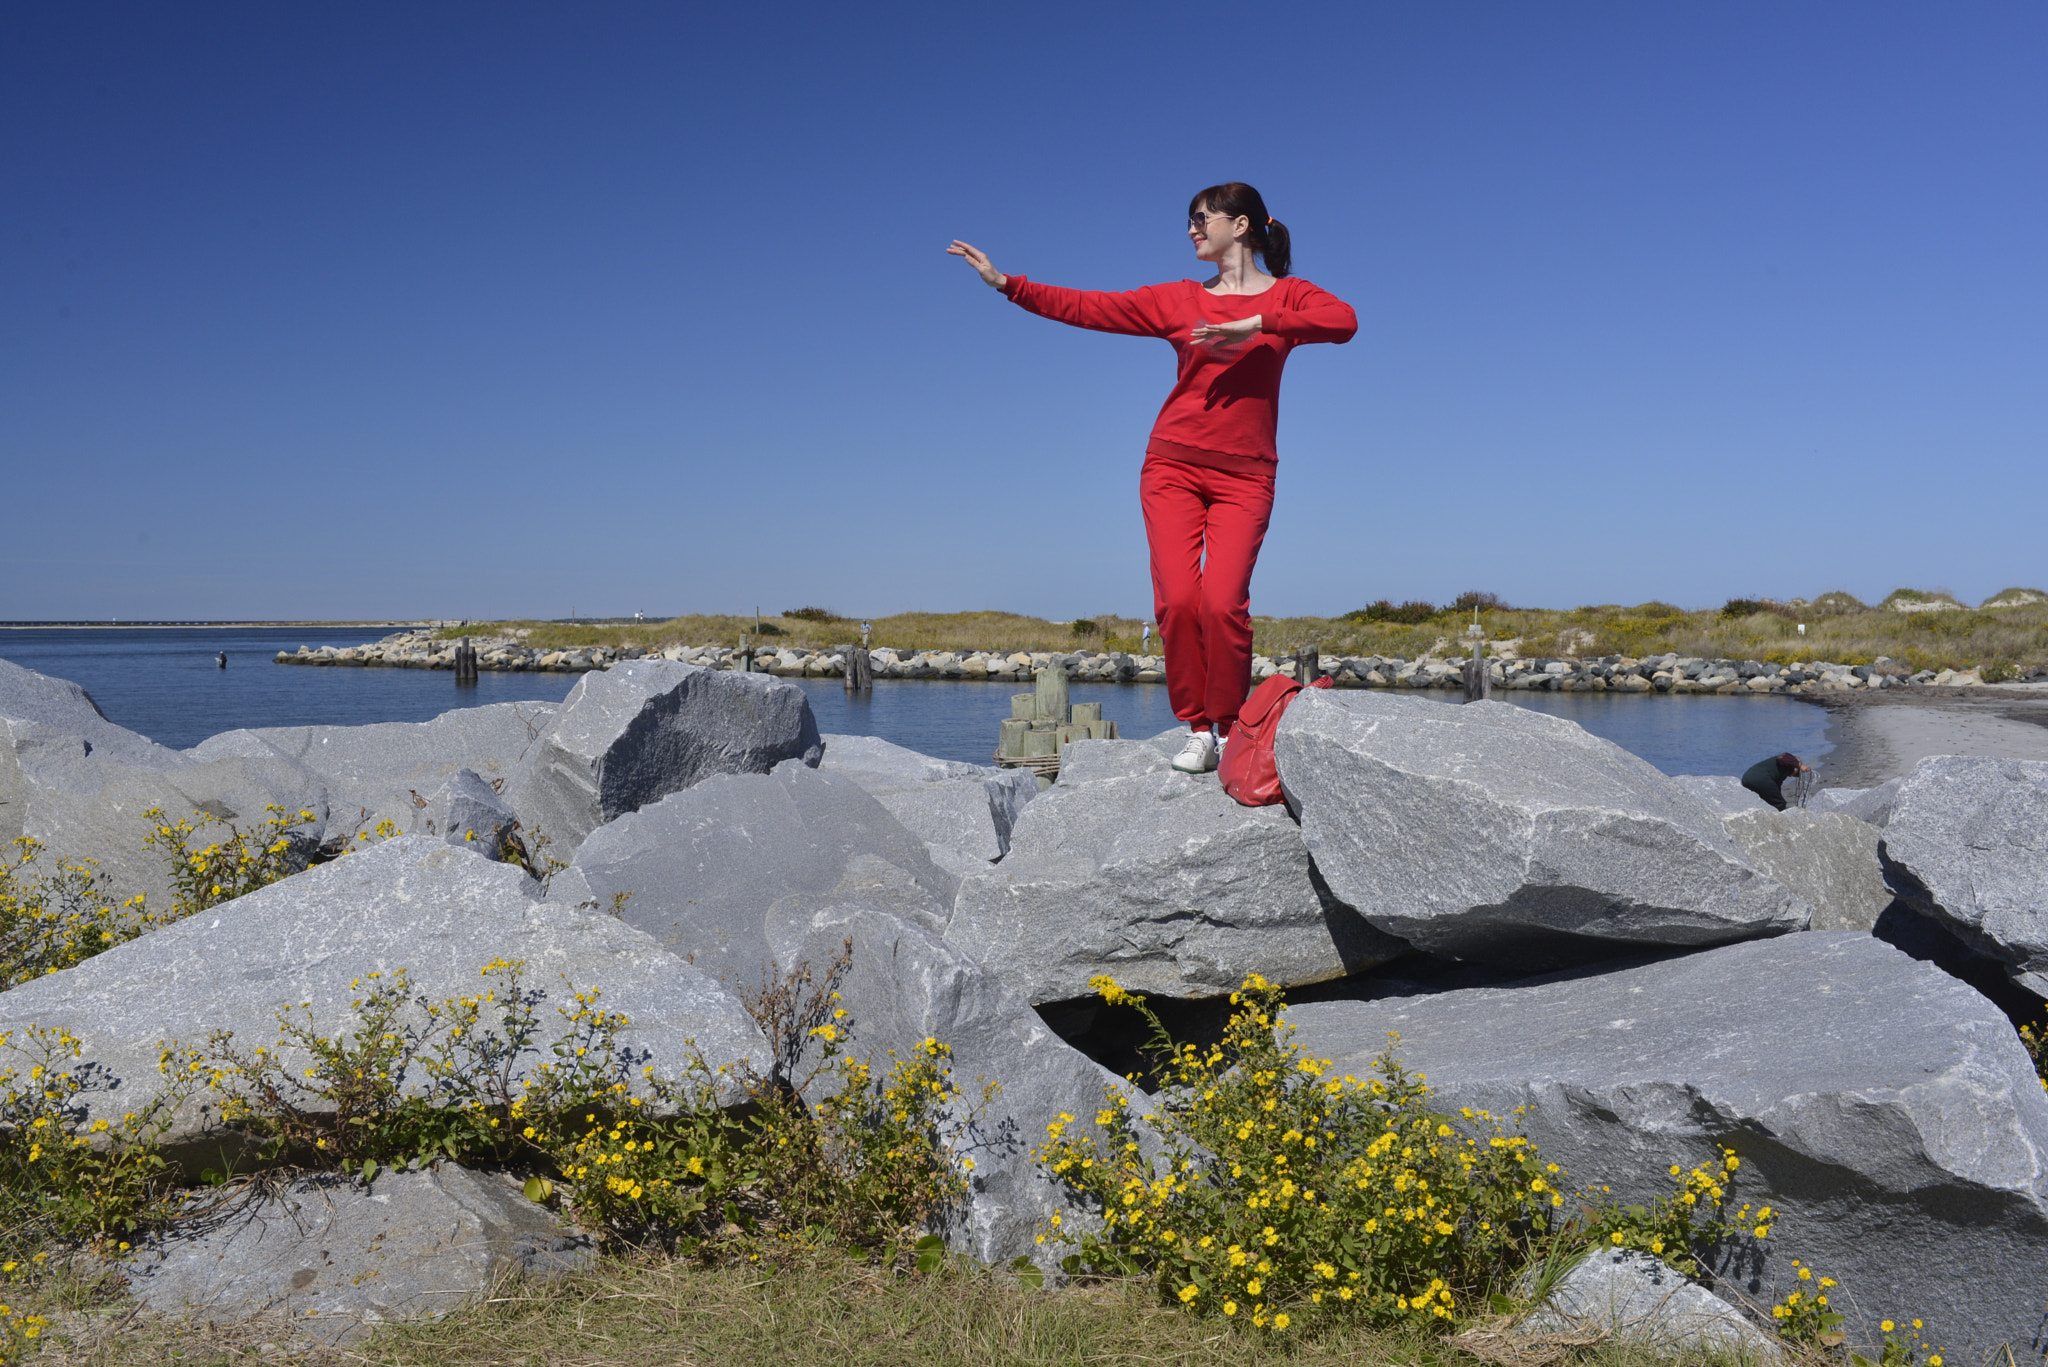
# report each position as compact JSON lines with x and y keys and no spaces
{"x":1223,"y":334}
{"x":983,"y":267}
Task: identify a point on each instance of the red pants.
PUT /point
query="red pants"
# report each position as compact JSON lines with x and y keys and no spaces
{"x":1204,"y":605}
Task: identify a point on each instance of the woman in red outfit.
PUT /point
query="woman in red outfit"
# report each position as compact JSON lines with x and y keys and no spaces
{"x":1207,"y":485}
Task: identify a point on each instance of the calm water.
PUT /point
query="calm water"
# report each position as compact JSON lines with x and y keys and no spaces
{"x":163,"y":683}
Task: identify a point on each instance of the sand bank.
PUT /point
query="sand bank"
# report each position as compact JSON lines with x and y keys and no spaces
{"x":1881,"y":735}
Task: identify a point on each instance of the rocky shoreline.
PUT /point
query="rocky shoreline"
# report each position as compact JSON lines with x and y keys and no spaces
{"x":1668,"y":673}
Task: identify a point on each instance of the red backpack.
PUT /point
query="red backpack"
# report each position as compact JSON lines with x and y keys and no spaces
{"x":1247,"y":769}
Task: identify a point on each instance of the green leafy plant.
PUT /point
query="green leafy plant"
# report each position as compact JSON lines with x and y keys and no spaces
{"x":65,"y":1178}
{"x":1258,"y":1185}
{"x":1684,"y":1227}
{"x":641,"y":1154}
{"x":205,"y":875}
{"x":55,"y":915}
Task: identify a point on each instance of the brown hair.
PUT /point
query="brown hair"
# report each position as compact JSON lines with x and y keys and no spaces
{"x":1268,"y":236}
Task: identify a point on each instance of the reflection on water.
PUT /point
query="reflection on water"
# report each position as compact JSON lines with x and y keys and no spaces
{"x":163,"y":682}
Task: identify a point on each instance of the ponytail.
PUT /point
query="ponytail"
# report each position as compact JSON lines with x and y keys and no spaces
{"x":1269,"y":237}
{"x":1277,"y":248}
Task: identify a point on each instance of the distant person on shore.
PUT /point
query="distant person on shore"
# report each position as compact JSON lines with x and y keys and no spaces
{"x":1207,"y":482}
{"x":1766,"y":778}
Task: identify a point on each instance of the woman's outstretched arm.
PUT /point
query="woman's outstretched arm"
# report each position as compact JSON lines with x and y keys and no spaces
{"x":1136,"y":313}
{"x":1317,"y":316}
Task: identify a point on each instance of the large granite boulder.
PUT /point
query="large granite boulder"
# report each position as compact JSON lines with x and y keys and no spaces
{"x":102,"y":818}
{"x":1967,"y":846}
{"x":465,"y":810}
{"x":1637,"y":1299}
{"x":1497,"y":833}
{"x":904,"y":986}
{"x":635,"y":733}
{"x":1129,"y":868}
{"x":389,"y":771}
{"x":79,"y":784}
{"x":1885,"y":1111}
{"x":1873,"y":805}
{"x":962,"y":812}
{"x":1826,"y":859}
{"x":728,"y":873}
{"x":1721,"y":794}
{"x":67,"y":709}
{"x":329,"y":1258}
{"x":438,"y":911}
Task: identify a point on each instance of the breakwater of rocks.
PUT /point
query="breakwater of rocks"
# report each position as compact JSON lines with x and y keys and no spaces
{"x":1668,"y":673}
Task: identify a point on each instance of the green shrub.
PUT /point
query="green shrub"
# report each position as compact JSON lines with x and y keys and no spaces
{"x":1085,"y":626}
{"x":811,"y":614}
{"x":54,"y":917}
{"x":1411,"y":613}
{"x":66,"y":1180}
{"x":642,"y":1155}
{"x":239,"y":862}
{"x":1286,"y":1195}
{"x":1687,"y":1225}
{"x":1750,"y":607}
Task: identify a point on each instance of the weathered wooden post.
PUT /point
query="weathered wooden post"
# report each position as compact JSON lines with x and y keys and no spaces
{"x":465,"y":663}
{"x":1478,"y":676}
{"x":1308,"y":665}
{"x":1052,"y":694}
{"x":860,"y":670}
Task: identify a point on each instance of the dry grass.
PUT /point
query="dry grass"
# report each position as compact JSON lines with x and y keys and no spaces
{"x":2009,"y":638}
{"x":829,"y":1314}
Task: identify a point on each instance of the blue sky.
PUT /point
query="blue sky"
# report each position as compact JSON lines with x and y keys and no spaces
{"x":510,"y":310}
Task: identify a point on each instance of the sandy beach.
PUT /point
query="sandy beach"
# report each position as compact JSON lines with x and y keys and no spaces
{"x":1879,"y":736}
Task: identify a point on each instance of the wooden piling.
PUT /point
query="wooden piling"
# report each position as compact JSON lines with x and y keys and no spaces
{"x":860,"y":670}
{"x":1024,"y":706}
{"x":1308,"y":665}
{"x":1052,"y":694}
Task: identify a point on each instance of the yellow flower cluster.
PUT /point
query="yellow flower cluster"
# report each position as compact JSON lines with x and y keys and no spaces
{"x":1693,"y":1218}
{"x":1260,"y":1183}
{"x":54,"y":917}
{"x":239,"y":862}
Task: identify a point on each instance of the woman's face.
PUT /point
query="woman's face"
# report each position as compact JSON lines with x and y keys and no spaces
{"x":1213,"y":232}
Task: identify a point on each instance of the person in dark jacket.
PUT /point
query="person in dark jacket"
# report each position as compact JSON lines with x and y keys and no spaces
{"x":1766,"y":777}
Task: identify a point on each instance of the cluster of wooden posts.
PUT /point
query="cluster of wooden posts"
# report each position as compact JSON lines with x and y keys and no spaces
{"x":465,"y":662}
{"x":1042,"y":723}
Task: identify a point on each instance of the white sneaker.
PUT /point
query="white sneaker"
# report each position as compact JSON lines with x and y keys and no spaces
{"x":1198,"y":756}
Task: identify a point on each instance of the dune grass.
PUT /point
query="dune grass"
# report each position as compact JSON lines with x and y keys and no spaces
{"x":2008,"y":639}
{"x":829,"y":1313}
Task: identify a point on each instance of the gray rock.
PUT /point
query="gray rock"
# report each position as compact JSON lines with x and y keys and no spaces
{"x":631,"y":735}
{"x":465,"y":810}
{"x":728,"y":873}
{"x":64,"y":707}
{"x":438,"y":911}
{"x":332,"y":1259}
{"x":1827,"y":859}
{"x":92,"y":806}
{"x":905,"y":986}
{"x":1722,"y":795}
{"x":1873,"y":805}
{"x":962,"y":812}
{"x":1639,"y":1300}
{"x":389,"y":771}
{"x":1884,"y":1110}
{"x":1157,"y":878}
{"x":1967,"y":845}
{"x":1497,"y":833}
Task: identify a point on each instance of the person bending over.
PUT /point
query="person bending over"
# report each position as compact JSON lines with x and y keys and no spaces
{"x":1207,"y":482}
{"x":1766,"y":778}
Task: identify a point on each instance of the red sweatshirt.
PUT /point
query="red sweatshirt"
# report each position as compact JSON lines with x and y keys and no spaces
{"x":1225,"y":402}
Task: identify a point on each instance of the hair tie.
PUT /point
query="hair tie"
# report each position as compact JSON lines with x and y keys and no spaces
{"x":1269,"y":222}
